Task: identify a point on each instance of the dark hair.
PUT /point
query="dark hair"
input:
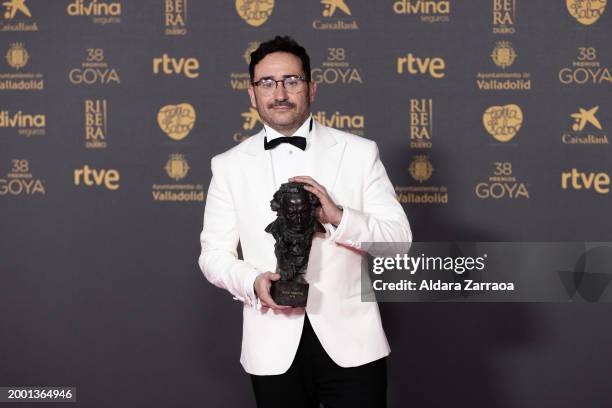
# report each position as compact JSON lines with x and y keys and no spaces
{"x":280,"y":44}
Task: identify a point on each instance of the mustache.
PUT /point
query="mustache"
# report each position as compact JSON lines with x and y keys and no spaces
{"x":281,"y":103}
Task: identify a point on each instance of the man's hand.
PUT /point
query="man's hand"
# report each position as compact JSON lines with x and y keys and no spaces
{"x":262,"y":285}
{"x":329,"y":212}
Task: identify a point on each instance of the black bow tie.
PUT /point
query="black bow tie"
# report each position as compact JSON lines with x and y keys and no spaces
{"x":297,"y":141}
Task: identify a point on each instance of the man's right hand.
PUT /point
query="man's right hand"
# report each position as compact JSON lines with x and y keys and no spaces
{"x":262,"y":285}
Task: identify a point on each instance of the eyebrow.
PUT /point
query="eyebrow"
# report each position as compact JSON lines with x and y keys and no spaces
{"x":284,"y":76}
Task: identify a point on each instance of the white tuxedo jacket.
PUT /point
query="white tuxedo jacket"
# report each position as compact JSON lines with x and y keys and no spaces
{"x":238,"y":209}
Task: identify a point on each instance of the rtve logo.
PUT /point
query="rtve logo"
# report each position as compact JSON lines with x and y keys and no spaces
{"x":433,"y":67}
{"x":92,"y":177}
{"x":577,"y":180}
{"x":170,"y":65}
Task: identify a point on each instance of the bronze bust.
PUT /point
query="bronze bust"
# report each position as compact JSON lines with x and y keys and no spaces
{"x":293,"y":229}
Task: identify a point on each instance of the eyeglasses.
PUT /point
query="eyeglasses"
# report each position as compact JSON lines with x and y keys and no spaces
{"x":293,"y":84}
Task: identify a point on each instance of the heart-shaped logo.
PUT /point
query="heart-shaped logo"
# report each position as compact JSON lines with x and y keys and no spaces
{"x":176,"y":120}
{"x":503,"y":122}
{"x":586,"y":12}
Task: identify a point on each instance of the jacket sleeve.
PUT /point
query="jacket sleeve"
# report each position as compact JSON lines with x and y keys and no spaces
{"x":219,"y":239}
{"x":382,"y":221}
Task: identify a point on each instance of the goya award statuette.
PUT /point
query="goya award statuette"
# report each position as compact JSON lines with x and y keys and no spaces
{"x":293,"y":230}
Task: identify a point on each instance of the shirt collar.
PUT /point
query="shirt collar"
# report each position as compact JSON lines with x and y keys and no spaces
{"x":303,"y":130}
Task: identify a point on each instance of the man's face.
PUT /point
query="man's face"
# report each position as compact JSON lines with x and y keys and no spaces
{"x":297,"y":211}
{"x":281,"y":110}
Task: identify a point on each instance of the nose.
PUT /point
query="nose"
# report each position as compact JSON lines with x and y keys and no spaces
{"x":280,"y":93}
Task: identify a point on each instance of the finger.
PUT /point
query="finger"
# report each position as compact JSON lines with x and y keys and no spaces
{"x":308,"y":180}
{"x":321,"y":195}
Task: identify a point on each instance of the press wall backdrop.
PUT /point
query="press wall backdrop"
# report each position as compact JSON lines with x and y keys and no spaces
{"x":492,"y":118}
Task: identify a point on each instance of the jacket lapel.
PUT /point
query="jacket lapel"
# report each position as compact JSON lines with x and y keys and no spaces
{"x":327,"y":156}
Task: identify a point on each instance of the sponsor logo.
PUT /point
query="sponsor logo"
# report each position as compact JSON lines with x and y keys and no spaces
{"x":26,"y":124}
{"x":176,"y":121}
{"x":240,"y":81}
{"x":586,"y":12}
{"x":434,"y":67}
{"x":503,"y":122}
{"x":101,"y":12}
{"x":254,"y":12}
{"x":504,"y":16}
{"x":17,"y":57}
{"x":421,"y":171}
{"x":336,"y":69}
{"x":96,"y":123}
{"x":586,"y":69}
{"x":167,"y":65}
{"x":586,"y":128}
{"x":354,"y":124}
{"x":90,"y":177}
{"x":177,"y":169}
{"x":336,"y":15}
{"x":428,"y":11}
{"x":94,"y":70}
{"x":503,"y":56}
{"x":578,"y":180}
{"x":20,"y":181}
{"x":250,"y":119}
{"x":16,"y":16}
{"x":421,"y":125}
{"x":175,"y":17}
{"x":502,"y":185}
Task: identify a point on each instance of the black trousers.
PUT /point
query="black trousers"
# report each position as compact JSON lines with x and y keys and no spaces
{"x":314,"y":379}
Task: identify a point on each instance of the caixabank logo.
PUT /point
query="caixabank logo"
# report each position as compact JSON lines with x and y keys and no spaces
{"x":19,"y":181}
{"x":96,"y":123}
{"x":249,"y":120}
{"x":17,"y":76}
{"x":502,"y":184}
{"x":586,"y":181}
{"x":427,"y":11}
{"x":354,"y":124}
{"x":16,"y":16}
{"x":175,"y":17}
{"x":433,"y":67}
{"x":254,"y":12}
{"x":586,"y":128}
{"x":421,"y":123}
{"x":176,"y":187}
{"x":336,"y":69}
{"x":421,"y":191}
{"x":176,"y":121}
{"x":503,"y":56}
{"x":23,"y":124}
{"x":586,"y":12}
{"x":240,"y":79}
{"x":503,"y":16}
{"x":100,"y":11}
{"x":166,"y":65}
{"x":503,"y":122}
{"x":94,"y":70}
{"x":335,"y":15}
{"x":586,"y":69}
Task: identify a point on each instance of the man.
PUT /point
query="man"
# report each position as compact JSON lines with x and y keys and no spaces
{"x":333,"y":350}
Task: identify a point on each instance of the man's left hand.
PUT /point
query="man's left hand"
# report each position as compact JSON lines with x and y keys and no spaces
{"x":329,"y":212}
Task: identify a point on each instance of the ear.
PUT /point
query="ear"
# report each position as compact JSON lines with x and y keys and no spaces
{"x":312,"y":85}
{"x":252,"y":96}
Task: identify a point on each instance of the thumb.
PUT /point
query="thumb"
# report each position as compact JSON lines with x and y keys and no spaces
{"x":275,"y":276}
